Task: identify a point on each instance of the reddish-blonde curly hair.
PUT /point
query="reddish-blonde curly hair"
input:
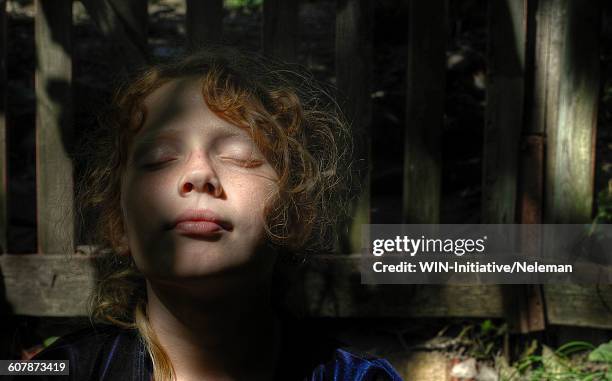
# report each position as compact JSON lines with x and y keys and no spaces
{"x":293,"y":119}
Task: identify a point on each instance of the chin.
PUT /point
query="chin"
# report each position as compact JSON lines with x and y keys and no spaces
{"x":209,"y":263}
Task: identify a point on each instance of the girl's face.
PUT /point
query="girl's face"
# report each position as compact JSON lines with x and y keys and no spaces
{"x":194,"y":190}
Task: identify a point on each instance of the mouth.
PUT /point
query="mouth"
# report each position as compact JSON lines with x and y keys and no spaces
{"x":200,"y":222}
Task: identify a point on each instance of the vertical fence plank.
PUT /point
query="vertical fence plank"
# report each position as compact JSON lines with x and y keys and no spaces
{"x":204,"y":21}
{"x":504,"y":119}
{"x":544,"y":105}
{"x":53,"y":78}
{"x":560,"y":134}
{"x":3,"y":133}
{"x":541,"y":127}
{"x":280,"y":29}
{"x":504,"y":110}
{"x":124,"y":22}
{"x":571,"y":139}
{"x":530,"y":312}
{"x":530,"y":191}
{"x":353,"y":60}
{"x":426,"y":80}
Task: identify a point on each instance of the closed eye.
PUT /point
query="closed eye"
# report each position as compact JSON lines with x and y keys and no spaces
{"x":246,"y":163}
{"x":158,"y":163}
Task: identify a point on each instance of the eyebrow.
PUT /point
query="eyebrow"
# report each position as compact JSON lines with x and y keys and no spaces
{"x":152,"y":137}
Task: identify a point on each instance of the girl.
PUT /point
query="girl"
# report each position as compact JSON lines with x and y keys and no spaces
{"x":211,"y":172}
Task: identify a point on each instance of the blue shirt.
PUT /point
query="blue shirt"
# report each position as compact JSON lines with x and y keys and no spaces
{"x":109,"y":353}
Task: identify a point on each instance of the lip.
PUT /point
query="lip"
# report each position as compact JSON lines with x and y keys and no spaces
{"x":200,"y":222}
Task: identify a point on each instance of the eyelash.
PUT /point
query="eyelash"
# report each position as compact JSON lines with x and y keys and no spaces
{"x":246,"y":163}
{"x":157,"y":163}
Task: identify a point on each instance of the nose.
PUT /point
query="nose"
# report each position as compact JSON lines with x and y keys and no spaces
{"x":200,"y":176}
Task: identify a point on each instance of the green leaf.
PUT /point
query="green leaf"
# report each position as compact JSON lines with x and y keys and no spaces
{"x":602,"y":353}
{"x":49,"y":340}
{"x":486,"y":326}
{"x":574,"y":346}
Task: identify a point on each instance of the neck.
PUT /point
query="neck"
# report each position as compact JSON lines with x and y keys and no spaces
{"x":234,"y":335}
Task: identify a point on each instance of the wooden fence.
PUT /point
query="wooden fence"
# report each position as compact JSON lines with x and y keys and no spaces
{"x":538,"y":151}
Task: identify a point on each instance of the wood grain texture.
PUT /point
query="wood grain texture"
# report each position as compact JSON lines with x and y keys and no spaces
{"x":530,"y":193}
{"x":426,"y":78}
{"x":571,"y":154}
{"x":579,"y":305}
{"x":47,"y":285}
{"x":504,"y":109}
{"x":566,"y":85}
{"x":333,"y":289}
{"x":329,"y":286}
{"x":531,"y":185}
{"x":54,"y":130}
{"x":58,"y":285}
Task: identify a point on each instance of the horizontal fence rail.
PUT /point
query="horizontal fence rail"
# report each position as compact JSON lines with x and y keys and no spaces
{"x":328,"y":287}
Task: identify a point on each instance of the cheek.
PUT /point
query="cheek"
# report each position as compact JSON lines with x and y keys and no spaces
{"x":251,"y":198}
{"x":141,"y":198}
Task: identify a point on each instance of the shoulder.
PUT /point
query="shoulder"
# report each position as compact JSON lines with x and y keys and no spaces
{"x":352,"y":365}
{"x":92,"y":350}
{"x":83,"y":337}
{"x":309,"y":353}
{"x":83,"y":342}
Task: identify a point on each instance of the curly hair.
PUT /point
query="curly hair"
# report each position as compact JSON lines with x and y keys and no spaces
{"x":292,"y":118}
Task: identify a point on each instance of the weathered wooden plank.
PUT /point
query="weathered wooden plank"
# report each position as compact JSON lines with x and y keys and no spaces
{"x":353,"y":62}
{"x":566,"y":66}
{"x":124,"y":22}
{"x":3,"y":132}
{"x":544,"y":100}
{"x":332,"y":288}
{"x":531,"y":311}
{"x":426,"y":72}
{"x":571,"y":138}
{"x":531,"y":183}
{"x":507,"y":45}
{"x":532,"y":142}
{"x":329,"y":286}
{"x":579,"y":305}
{"x":280,"y":29}
{"x":545,"y":79}
{"x":47,"y":285}
{"x":504,"y":109}
{"x":566,"y":88}
{"x":542,"y":111}
{"x":204,"y":22}
{"x":54,"y":130}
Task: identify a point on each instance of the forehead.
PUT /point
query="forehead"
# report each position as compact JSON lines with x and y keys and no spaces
{"x":179,"y":105}
{"x":183,"y":91}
